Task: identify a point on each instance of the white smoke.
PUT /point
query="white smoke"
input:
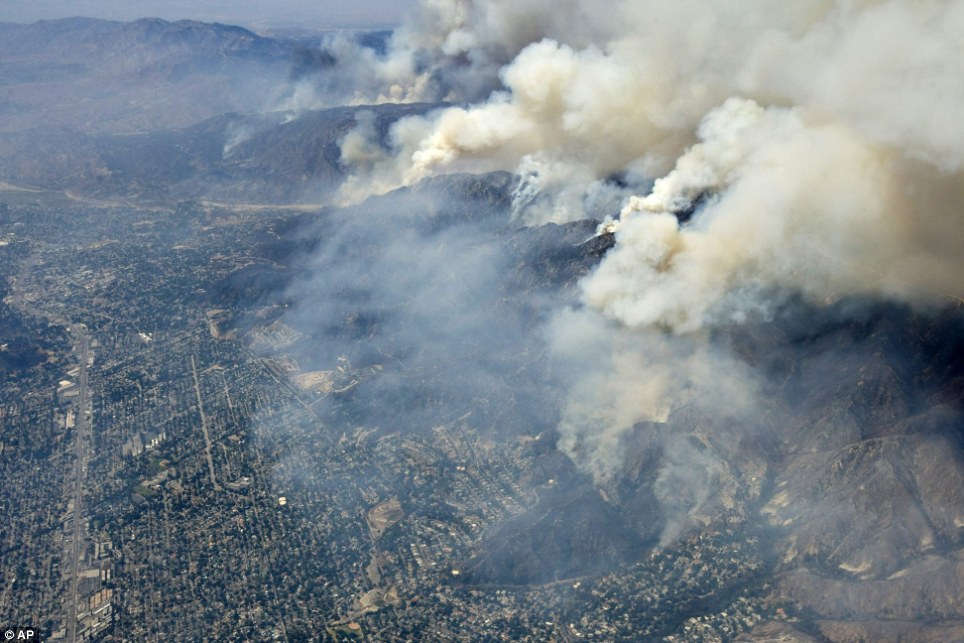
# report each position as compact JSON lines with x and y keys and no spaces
{"x":622,"y":86}
{"x":619,"y":378}
{"x":819,"y":142}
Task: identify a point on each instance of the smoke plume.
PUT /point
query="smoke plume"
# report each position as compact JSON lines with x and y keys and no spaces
{"x":817,"y":149}
{"x":739,"y":155}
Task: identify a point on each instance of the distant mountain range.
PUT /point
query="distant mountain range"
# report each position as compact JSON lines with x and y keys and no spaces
{"x":157,"y":110}
{"x":98,"y":76}
{"x":258,"y":158}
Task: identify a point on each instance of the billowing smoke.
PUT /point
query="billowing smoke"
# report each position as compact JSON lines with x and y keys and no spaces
{"x":741,"y":156}
{"x":589,"y":91}
{"x":794,"y":202}
{"x":813,"y":148}
{"x":450,"y":50}
{"x":619,"y":378}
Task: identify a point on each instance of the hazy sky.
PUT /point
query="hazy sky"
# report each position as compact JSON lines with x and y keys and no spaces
{"x":270,"y":13}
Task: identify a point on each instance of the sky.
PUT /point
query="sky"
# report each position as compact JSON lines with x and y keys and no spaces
{"x":309,"y":14}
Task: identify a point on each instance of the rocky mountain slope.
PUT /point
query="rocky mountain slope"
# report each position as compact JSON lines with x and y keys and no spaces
{"x":273,"y":158}
{"x":98,"y":76}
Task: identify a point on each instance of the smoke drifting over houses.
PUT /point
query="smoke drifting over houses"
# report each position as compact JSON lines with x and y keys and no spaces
{"x":744,"y":152}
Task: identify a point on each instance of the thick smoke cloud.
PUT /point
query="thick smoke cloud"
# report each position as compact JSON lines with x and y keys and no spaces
{"x":816,"y":149}
{"x":799,"y":204}
{"x":624,"y":77}
{"x":622,"y":88}
{"x":740,"y":155}
{"x":449,"y":50}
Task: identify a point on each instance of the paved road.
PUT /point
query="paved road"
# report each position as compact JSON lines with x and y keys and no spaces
{"x":81,"y":442}
{"x":204,"y":426}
